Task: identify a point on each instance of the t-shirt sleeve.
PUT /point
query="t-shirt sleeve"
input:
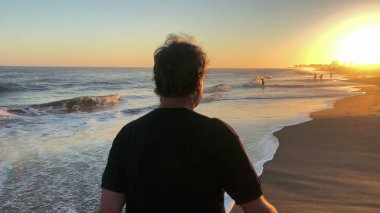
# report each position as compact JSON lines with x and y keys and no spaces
{"x":239,"y":178}
{"x":114,"y":174}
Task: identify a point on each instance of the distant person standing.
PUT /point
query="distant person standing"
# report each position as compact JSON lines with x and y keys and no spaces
{"x":174,"y":159}
{"x":321,"y":77}
{"x":315,"y":76}
{"x":263,"y":82}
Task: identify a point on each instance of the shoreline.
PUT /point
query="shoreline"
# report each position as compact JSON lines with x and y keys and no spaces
{"x":330,"y":163}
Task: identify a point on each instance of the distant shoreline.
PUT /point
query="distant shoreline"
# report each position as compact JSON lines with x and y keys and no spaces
{"x":148,"y":67}
{"x":74,"y":66}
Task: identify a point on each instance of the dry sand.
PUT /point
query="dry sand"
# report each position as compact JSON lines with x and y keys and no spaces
{"x":331,"y":163}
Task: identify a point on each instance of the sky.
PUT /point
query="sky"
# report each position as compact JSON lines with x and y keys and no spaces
{"x":234,"y":34}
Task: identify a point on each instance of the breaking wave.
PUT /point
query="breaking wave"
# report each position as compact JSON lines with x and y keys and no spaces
{"x":217,"y":88}
{"x":259,"y":77}
{"x":259,"y":80}
{"x":213,"y":97}
{"x":83,"y":103}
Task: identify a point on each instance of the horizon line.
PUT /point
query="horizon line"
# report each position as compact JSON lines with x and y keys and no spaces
{"x":140,"y":67}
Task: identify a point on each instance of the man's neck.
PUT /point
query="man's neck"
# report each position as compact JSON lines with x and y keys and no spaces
{"x":177,"y":102}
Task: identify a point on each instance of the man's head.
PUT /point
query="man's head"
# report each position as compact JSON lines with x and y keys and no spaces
{"x":179,"y":68}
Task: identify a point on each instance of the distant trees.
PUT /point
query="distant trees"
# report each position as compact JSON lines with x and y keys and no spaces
{"x":335,"y":63}
{"x":336,"y":66}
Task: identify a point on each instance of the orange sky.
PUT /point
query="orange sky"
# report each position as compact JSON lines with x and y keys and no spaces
{"x":239,"y":34}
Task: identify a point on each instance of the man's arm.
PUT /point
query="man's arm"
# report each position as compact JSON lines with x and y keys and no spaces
{"x":111,"y":201}
{"x":260,"y":205}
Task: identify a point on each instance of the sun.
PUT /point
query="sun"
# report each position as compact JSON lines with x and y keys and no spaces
{"x":361,"y":46}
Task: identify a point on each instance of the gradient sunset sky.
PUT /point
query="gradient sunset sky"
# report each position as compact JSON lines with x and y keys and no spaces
{"x":256,"y":33}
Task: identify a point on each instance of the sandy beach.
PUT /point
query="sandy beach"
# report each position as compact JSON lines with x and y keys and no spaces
{"x":331,"y":163}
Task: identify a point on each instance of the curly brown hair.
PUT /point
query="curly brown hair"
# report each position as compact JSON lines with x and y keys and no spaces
{"x":179,"y":67}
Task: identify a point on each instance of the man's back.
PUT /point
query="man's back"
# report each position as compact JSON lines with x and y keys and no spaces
{"x":176,"y":160}
{"x":173,"y":159}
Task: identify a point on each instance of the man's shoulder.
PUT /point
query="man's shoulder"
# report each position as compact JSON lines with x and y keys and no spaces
{"x":218,"y":125}
{"x":224,"y":125}
{"x":157,"y":117}
{"x":179,"y":113}
{"x":139,"y":121}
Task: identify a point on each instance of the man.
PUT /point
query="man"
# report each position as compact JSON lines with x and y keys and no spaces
{"x":174,"y":159}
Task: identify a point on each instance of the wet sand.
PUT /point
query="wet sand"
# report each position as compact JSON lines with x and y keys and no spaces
{"x":331,"y":163}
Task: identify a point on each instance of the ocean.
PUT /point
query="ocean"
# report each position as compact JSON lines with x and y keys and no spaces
{"x":57,"y":123}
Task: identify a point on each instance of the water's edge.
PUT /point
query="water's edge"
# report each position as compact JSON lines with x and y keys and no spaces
{"x":229,"y":203}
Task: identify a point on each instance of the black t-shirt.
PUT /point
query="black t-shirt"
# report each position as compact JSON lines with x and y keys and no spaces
{"x":176,"y":160}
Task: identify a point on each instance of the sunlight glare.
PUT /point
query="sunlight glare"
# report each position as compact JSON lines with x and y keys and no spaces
{"x":362,"y":46}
